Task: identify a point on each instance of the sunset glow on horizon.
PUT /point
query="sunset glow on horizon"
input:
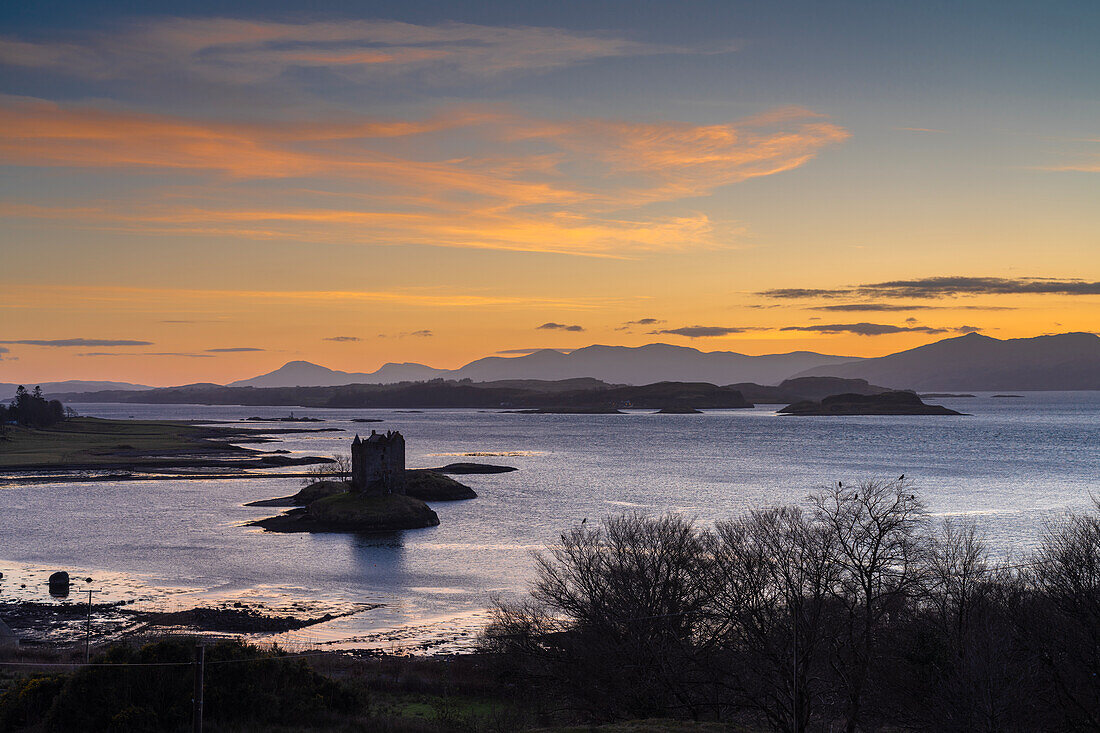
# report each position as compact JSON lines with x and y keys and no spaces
{"x":204,"y":193}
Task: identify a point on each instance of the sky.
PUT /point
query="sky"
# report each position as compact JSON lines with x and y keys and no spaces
{"x":203,"y":191}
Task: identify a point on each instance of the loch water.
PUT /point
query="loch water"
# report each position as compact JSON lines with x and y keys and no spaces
{"x":1010,"y":464}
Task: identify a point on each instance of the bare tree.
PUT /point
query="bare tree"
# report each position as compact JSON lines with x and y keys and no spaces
{"x":956,"y":662}
{"x":852,"y":612}
{"x":878,"y":541}
{"x":776,"y":572}
{"x":633,"y":591}
{"x":1066,"y":632}
{"x":338,"y":469}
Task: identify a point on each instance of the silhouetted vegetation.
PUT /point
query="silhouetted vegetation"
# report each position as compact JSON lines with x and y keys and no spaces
{"x":444,"y":394}
{"x":32,"y":410}
{"x":151,"y":690}
{"x":856,"y":612}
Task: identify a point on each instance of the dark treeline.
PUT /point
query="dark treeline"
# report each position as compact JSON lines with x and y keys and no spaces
{"x":854,"y":613}
{"x":438,"y":393}
{"x":31,"y":409}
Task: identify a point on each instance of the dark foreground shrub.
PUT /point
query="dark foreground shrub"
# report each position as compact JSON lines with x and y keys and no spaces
{"x":149,"y":690}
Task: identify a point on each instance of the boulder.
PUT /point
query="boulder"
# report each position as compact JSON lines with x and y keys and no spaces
{"x":59,"y":584}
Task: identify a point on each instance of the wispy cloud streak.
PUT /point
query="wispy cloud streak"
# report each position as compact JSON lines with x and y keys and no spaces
{"x":938,"y":287}
{"x":876,"y":329}
{"x":521,"y":183}
{"x":230,"y":51}
{"x":78,"y":342}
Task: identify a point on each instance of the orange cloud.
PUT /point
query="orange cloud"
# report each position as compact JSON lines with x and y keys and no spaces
{"x":583,"y":196}
{"x":138,"y":299}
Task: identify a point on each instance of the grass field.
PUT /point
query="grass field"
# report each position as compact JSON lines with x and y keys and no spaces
{"x":92,"y":441}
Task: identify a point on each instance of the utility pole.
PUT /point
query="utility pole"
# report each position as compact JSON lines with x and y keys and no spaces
{"x":196,"y":699}
{"x":88,"y":627}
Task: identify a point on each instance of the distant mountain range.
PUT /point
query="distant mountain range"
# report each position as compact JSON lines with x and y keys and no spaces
{"x":1068,"y":361}
{"x":611,"y":364}
{"x":7,"y":389}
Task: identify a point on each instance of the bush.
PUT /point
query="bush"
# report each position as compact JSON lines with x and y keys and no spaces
{"x":242,"y":685}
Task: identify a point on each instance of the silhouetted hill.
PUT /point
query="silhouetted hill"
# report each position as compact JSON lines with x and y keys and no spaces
{"x":7,"y":390}
{"x":805,"y":388}
{"x":613,"y":364}
{"x":308,"y":374}
{"x":648,"y":364}
{"x":973,"y":362}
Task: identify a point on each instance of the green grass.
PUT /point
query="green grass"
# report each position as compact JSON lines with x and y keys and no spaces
{"x":86,"y":440}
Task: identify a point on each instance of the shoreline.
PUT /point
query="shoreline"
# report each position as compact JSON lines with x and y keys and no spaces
{"x":130,"y":606}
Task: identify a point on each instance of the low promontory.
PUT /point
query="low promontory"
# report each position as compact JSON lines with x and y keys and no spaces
{"x":885,"y":403}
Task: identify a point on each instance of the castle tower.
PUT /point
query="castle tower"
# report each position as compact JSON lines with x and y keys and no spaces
{"x":378,"y":463}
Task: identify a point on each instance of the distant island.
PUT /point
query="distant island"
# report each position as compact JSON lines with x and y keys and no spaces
{"x":567,"y":396}
{"x":568,"y":411}
{"x":886,"y":403}
{"x":799,"y":389}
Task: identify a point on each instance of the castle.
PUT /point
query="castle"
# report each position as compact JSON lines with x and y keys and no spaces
{"x":378,"y":463}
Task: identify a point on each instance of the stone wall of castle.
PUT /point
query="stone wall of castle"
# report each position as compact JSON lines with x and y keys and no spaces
{"x":378,"y":463}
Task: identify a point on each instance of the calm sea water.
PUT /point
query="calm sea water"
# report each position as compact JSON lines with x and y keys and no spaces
{"x":1010,"y":464}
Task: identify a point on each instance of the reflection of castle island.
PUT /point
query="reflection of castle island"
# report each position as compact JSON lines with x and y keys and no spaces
{"x":378,"y":463}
